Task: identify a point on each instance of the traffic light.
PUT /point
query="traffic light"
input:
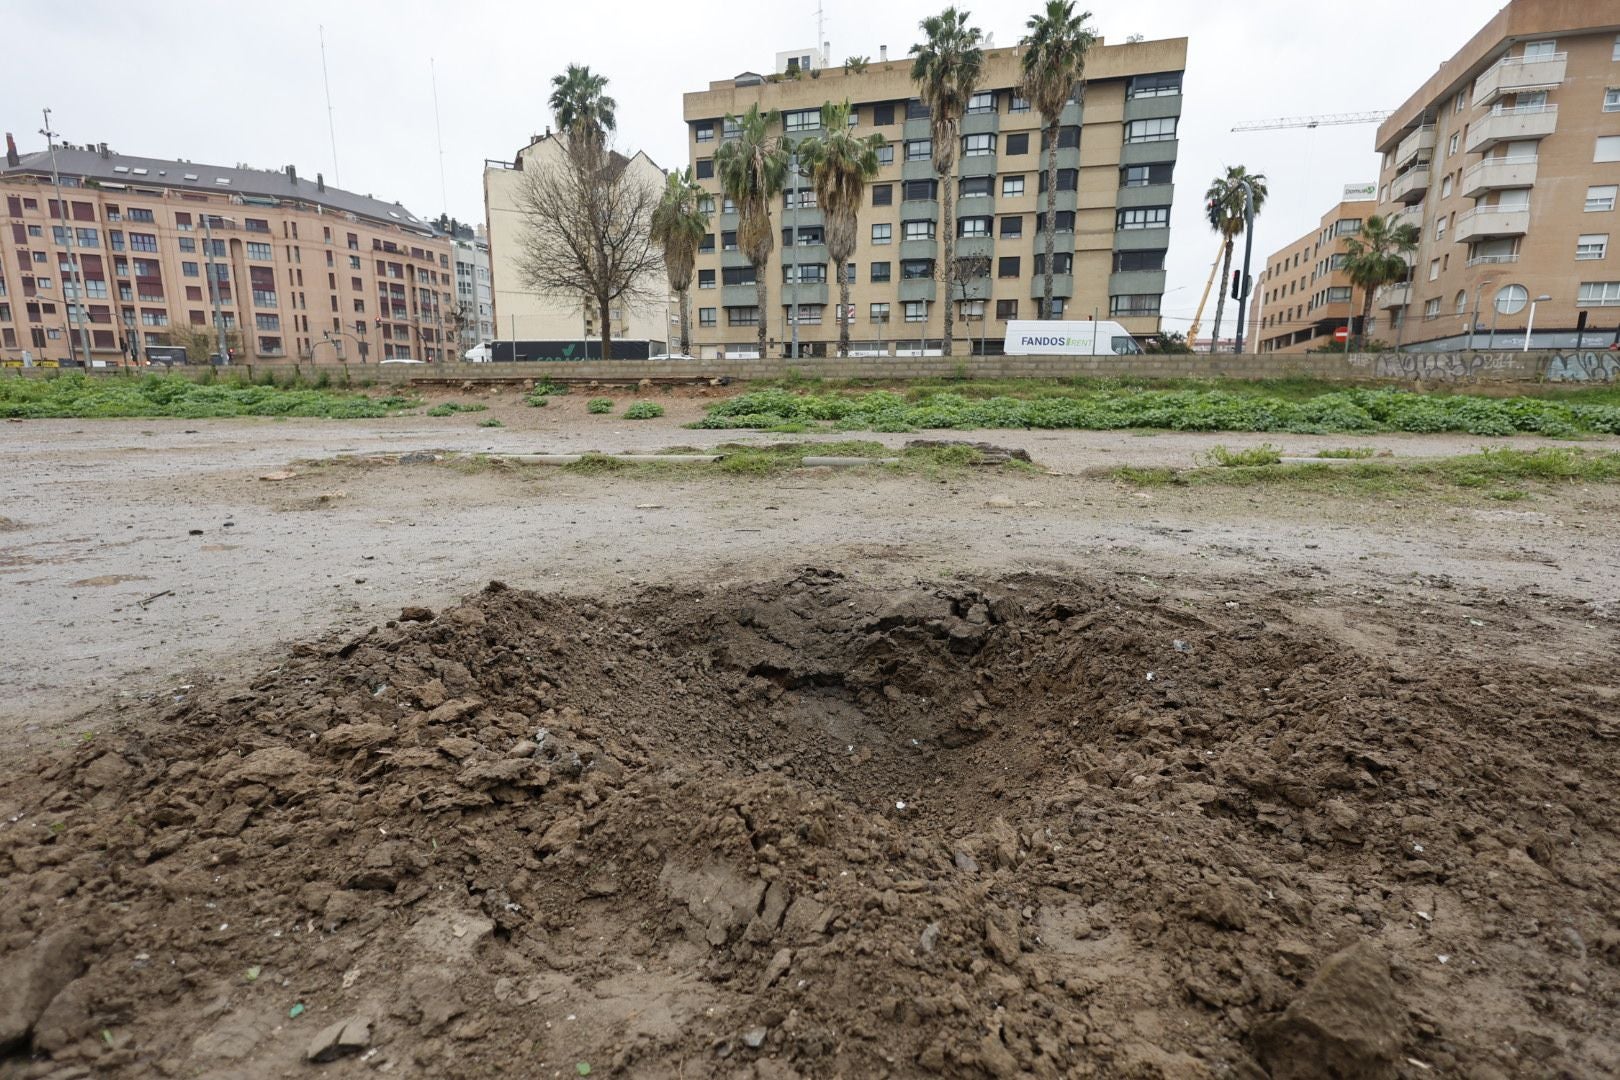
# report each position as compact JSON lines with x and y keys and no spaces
{"x":1238,"y":291}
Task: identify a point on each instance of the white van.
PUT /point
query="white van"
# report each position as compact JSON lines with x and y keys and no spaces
{"x":482,"y":353}
{"x":1069,"y":338}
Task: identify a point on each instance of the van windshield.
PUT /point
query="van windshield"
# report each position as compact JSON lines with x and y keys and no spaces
{"x":1124,"y":346}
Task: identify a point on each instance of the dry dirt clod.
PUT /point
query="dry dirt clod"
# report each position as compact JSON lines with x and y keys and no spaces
{"x":337,"y":1040}
{"x":1346,"y":1024}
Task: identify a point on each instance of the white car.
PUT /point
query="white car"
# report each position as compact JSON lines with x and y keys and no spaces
{"x":671,"y":356}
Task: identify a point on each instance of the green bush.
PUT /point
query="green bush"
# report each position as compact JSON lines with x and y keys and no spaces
{"x":110,"y":396}
{"x":1264,"y":454}
{"x":599,"y":405}
{"x":644,"y":410}
{"x":490,"y":421}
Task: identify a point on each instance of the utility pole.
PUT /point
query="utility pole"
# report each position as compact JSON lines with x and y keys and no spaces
{"x":1248,"y":252}
{"x":67,"y":238}
{"x":793,"y":234}
{"x":213,"y":285}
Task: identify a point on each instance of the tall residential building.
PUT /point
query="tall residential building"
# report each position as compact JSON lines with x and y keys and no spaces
{"x":475,"y":297}
{"x":300,"y":269}
{"x":1508,"y":159}
{"x":1116,"y":161}
{"x":524,"y":313}
{"x":1303,"y":295}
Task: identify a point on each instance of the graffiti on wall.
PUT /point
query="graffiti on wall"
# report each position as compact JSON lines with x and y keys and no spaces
{"x":1584,"y":367}
{"x":1438,"y":367}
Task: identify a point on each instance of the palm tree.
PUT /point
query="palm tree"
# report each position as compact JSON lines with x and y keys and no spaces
{"x":1054,"y":72}
{"x":580,"y":106}
{"x":753,"y":169}
{"x":678,"y":227}
{"x":946,"y":70}
{"x":1377,"y":258}
{"x":840,"y":164}
{"x":1224,"y":200}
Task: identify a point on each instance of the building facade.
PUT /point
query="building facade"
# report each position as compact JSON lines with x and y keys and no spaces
{"x":523,"y":313}
{"x":1303,"y":295}
{"x":1508,"y":161}
{"x":1116,"y":163}
{"x":299,"y":270}
{"x":475,"y":296}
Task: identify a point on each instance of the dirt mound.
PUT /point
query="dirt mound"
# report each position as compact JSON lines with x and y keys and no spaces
{"x":811,"y":828}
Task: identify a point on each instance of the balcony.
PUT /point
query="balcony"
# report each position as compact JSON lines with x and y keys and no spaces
{"x":1408,"y":215}
{"x":1495,"y":173}
{"x":1394,"y":296}
{"x":1062,"y":286}
{"x":1419,"y":141}
{"x":1491,"y":222}
{"x":1513,"y":74}
{"x":1511,"y":125}
{"x":1411,"y":186}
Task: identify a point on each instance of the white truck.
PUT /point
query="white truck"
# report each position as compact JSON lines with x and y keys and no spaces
{"x":1069,"y":338}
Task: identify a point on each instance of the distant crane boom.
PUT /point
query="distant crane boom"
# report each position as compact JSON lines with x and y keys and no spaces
{"x":1374,"y":117}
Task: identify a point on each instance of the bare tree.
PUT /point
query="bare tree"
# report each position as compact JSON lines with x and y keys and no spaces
{"x":588,"y":231}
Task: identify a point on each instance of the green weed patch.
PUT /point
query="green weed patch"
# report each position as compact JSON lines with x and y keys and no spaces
{"x":78,"y":396}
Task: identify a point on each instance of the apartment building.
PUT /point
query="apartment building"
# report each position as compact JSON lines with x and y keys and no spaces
{"x":1116,"y":165}
{"x":299,"y":269}
{"x":475,"y":297}
{"x":524,"y":313}
{"x":1303,"y":294}
{"x":1508,"y":161}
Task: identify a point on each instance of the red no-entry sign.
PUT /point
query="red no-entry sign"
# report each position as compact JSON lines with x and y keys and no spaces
{"x":1342,"y":334}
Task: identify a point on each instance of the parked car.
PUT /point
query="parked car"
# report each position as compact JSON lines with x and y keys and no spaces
{"x":482,"y":353}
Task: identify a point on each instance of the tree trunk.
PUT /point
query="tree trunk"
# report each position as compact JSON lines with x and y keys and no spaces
{"x":1220,"y":297}
{"x":1051,"y":215}
{"x":843,"y":308}
{"x":760,"y":300}
{"x":1366,"y":313}
{"x":686,"y":323}
{"x":603,"y":304}
{"x":948,"y":270}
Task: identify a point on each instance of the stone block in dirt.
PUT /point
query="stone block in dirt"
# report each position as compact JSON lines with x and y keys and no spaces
{"x":718,"y":898}
{"x":31,"y":977}
{"x":1346,"y":1024}
{"x":345,"y":1037}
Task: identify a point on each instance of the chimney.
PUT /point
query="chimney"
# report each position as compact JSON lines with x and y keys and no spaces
{"x":292,"y":175}
{"x":320,"y":182}
{"x":883,"y":52}
{"x":11,"y":150}
{"x":103,"y":149}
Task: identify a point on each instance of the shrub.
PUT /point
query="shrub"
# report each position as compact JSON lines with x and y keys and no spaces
{"x":644,"y":410}
{"x":1264,"y":454}
{"x":599,"y":405}
{"x":490,"y":421}
{"x":450,"y":408}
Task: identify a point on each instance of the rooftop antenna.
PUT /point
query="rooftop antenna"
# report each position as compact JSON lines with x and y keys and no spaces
{"x":444,"y":195}
{"x":821,"y":34}
{"x":331,"y":129}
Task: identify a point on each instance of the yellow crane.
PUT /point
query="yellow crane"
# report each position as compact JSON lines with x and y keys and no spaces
{"x":1198,"y":316}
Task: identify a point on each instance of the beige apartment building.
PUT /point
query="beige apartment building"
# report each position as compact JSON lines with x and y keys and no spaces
{"x":1508,"y":160}
{"x":1116,"y":164}
{"x":1303,"y":295}
{"x":301,"y":270}
{"x":523,"y":313}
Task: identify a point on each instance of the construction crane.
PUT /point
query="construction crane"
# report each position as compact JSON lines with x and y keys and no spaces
{"x":1374,"y":117}
{"x":1198,"y":316}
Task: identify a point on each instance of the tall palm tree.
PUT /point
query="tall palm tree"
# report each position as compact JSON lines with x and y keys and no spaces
{"x":946,"y":70}
{"x":840,"y":164}
{"x":678,"y":226}
{"x":1224,"y":201}
{"x":1054,"y":71}
{"x":753,"y":169}
{"x":1377,"y":257}
{"x":580,"y":105}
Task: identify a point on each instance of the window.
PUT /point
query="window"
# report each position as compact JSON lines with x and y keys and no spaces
{"x":1058,"y":306}
{"x":1067,"y":180}
{"x":1539,"y":50}
{"x":1338,"y":294}
{"x":808,"y":313}
{"x":86,"y":238}
{"x":1592,"y":246}
{"x":801,"y":120}
{"x":916,"y":310}
{"x":1129,"y":304}
{"x":982,"y":102}
{"x":882,"y":232}
{"x":742,"y":316}
{"x":1012,"y":227}
{"x":1434,"y":269}
{"x":1012,"y":187}
{"x":882,"y":115}
{"x":1064,"y":222}
{"x":707,"y":316}
{"x":971,"y":310}
{"x":705,"y":279}
{"x":729,"y":128}
{"x":1445,"y":187}
{"x":976,"y":187}
{"x":1068,"y":138}
{"x":1017,"y":105}
{"x":148,"y":242}
{"x":1440,"y":227}
{"x":728,"y":240}
{"x":1601,"y":197}
{"x":1164,"y":84}
{"x":880,"y":272}
{"x":878,"y":313}
{"x":1006,"y":310}
{"x":849,"y":273}
{"x":1611,"y":99}
{"x":705,"y":169}
{"x":1431,"y":308}
{"x":973,"y":226}
{"x":1347,"y":227}
{"x":1158,"y":129}
{"x":1008,"y":266}
{"x":1062,"y":263}
{"x":258,"y":251}
{"x":882,"y":194}
{"x":916,"y":110}
{"x":1017,"y":143}
{"x":136,"y":213}
{"x":917,"y":230}
{"x":916,"y":269}
{"x":267,"y":322}
{"x":809,"y":273}
{"x":978,"y":145}
{"x":706,"y":245}
{"x":149,"y":317}
{"x":1144,"y":175}
{"x":190,"y":245}
{"x":1599,"y":293}
{"x":1460,"y":302}
{"x":704,"y":131}
{"x":189,"y":269}
{"x":1608,"y":148}
{"x":885,"y":154}
{"x":919,"y":189}
{"x":1126,"y":261}
{"x":1143,"y":217}
{"x":919,"y":150}
{"x":255,"y":225}
{"x":354,"y":262}
{"x":737,"y":275}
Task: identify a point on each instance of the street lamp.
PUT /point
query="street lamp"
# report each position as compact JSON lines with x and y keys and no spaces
{"x":213,"y":277}
{"x":1531,"y":325}
{"x":1473,"y":317}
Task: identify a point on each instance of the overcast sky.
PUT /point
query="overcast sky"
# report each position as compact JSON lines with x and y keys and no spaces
{"x":229,"y":83}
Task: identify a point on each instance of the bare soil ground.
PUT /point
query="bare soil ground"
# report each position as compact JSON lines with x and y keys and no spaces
{"x":827,"y":775}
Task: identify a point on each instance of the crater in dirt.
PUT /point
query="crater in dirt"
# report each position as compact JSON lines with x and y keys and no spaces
{"x":807,"y":827}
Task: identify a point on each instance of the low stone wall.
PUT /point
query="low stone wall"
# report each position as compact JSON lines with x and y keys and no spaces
{"x":1583,"y":366}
